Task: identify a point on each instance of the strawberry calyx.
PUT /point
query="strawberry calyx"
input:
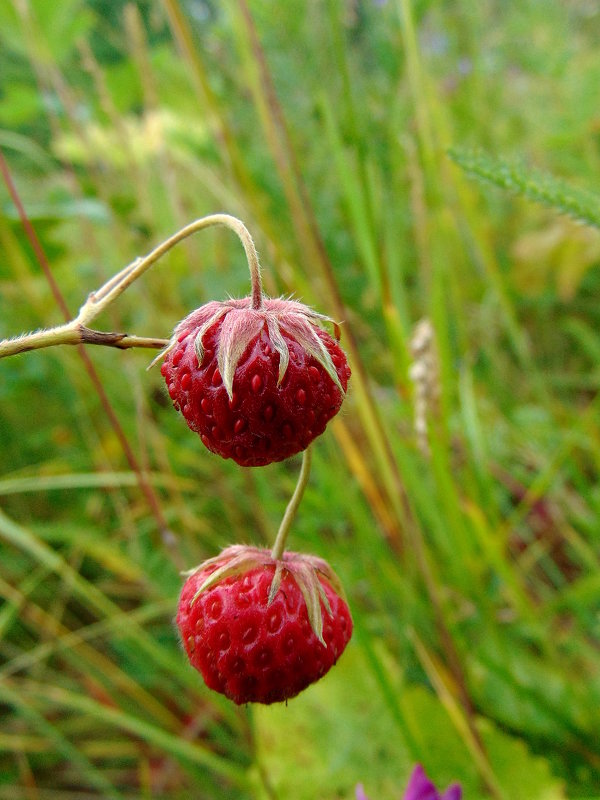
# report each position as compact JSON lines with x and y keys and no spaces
{"x":306,"y":570}
{"x":241,"y":322}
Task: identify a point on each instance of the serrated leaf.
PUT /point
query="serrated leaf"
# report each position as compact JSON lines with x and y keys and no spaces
{"x":538,"y":186}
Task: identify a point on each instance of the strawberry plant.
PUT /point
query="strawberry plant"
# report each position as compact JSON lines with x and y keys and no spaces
{"x":258,"y":379}
{"x":402,"y":164}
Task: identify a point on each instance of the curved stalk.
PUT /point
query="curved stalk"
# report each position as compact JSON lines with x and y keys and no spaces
{"x":77,"y":331}
{"x":292,"y":507}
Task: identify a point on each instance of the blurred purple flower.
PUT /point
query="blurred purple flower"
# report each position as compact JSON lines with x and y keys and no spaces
{"x":360,"y":792}
{"x":420,"y":788}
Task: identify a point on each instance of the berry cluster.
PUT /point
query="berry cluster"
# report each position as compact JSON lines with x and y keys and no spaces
{"x":258,"y":380}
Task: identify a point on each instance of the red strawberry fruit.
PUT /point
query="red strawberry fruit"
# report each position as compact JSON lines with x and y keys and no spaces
{"x":257,"y":381}
{"x":259,"y":629}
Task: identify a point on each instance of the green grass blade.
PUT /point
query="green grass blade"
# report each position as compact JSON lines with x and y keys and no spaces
{"x":92,"y":775}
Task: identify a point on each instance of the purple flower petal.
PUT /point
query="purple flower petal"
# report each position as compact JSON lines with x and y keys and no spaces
{"x":421,"y":788}
{"x":453,"y":792}
{"x":360,"y":792}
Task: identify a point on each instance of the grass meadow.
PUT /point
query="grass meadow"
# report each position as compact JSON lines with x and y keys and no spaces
{"x":423,"y":171}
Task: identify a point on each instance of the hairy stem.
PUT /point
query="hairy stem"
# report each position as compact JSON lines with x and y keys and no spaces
{"x":73,"y":333}
{"x":292,"y":507}
{"x":77,"y":331}
{"x":98,"y":301}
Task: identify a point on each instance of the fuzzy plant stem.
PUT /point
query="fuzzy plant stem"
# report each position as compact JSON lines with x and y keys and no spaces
{"x":77,"y":331}
{"x":292,"y":507}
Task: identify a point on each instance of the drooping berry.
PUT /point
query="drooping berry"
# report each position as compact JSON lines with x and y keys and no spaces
{"x":261,"y":630}
{"x":257,"y":384}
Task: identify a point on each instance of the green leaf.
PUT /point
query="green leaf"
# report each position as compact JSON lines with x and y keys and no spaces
{"x":358,"y":741}
{"x":522,"y":775}
{"x":309,"y":754}
{"x":535,"y":185}
{"x":519,"y":774}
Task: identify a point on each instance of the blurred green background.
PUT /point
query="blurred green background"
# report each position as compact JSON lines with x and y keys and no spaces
{"x":456,"y":494}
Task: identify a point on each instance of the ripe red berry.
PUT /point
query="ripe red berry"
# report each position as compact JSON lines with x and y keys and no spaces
{"x":257,"y":384}
{"x":263,"y":630}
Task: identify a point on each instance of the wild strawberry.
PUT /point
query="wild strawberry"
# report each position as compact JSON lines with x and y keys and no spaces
{"x":257,"y":381}
{"x":259,"y":629}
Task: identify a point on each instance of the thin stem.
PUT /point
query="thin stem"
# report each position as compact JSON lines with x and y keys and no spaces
{"x":73,"y":333}
{"x":61,"y":334}
{"x":117,"y":285}
{"x":77,"y":331}
{"x":143,"y":483}
{"x":290,"y":512}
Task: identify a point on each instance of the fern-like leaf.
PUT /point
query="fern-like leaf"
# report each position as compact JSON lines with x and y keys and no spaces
{"x":541,"y":187}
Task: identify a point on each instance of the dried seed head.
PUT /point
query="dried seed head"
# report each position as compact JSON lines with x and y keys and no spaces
{"x":424,"y":373}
